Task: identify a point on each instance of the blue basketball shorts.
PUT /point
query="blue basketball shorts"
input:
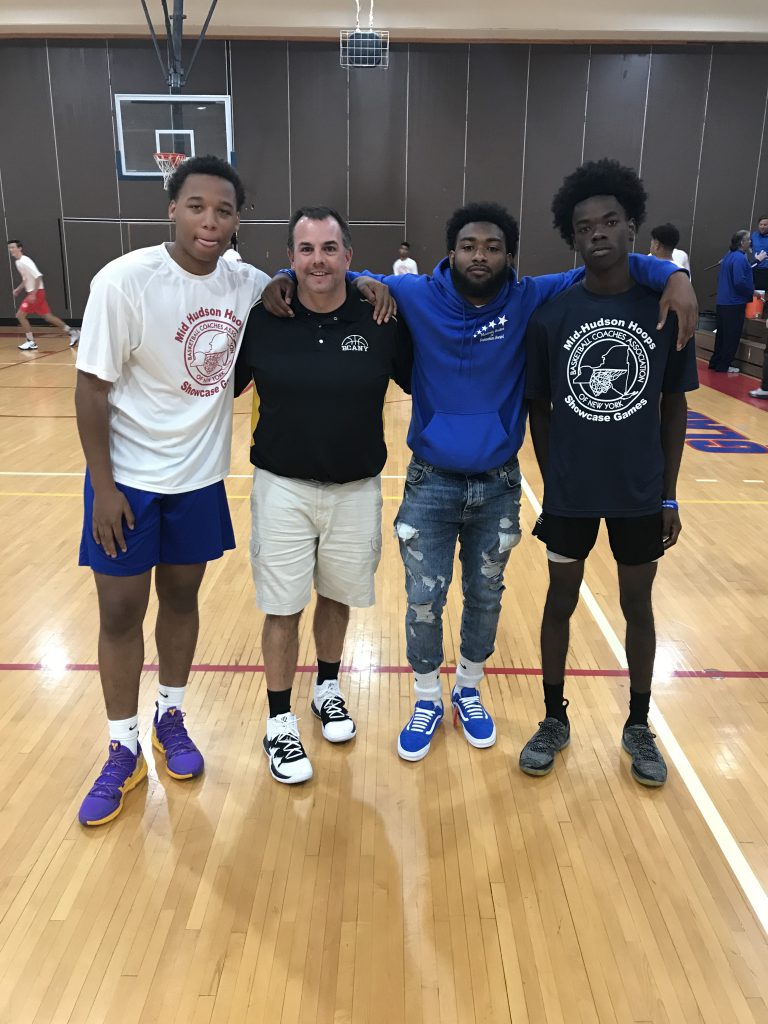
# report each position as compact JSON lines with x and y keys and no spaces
{"x":173,"y":529}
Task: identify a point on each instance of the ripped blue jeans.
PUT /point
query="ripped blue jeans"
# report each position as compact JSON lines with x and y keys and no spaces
{"x":483,"y":513}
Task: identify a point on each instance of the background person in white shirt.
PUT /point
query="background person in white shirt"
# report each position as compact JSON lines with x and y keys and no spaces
{"x":35,"y":303}
{"x":153,"y":399}
{"x":232,"y":252}
{"x":404,"y":264}
{"x":664,"y":241}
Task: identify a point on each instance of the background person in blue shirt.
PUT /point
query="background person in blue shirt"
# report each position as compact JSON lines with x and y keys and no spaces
{"x":734,"y":290}
{"x":468,"y":322}
{"x":759,"y":246}
{"x":759,"y":242}
{"x":608,"y":413}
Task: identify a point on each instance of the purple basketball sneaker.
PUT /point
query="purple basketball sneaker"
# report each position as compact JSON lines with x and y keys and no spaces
{"x":169,"y":735}
{"x":121,"y":773}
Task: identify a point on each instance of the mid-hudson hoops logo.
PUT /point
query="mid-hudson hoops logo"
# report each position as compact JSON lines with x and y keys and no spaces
{"x":608,"y":370}
{"x":209,"y":351}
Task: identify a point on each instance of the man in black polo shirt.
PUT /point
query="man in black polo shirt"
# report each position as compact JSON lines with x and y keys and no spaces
{"x":318,"y":448}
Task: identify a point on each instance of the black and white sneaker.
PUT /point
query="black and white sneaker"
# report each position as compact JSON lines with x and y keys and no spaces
{"x":329,"y":707}
{"x":288,"y":761}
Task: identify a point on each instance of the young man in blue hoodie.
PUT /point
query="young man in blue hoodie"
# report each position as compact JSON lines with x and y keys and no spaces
{"x":468,"y":323}
{"x":608,"y":414}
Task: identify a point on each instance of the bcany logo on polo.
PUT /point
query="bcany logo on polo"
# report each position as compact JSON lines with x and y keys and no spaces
{"x":354,"y":343}
{"x":209,"y":351}
{"x":608,"y":369}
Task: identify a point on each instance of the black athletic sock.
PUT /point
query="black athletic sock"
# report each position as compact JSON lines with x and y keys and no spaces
{"x":327,"y":670}
{"x":638,"y":708}
{"x":279,"y":702}
{"x":555,"y":705}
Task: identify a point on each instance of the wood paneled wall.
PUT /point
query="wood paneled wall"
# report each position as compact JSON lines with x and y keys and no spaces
{"x":395,"y":150}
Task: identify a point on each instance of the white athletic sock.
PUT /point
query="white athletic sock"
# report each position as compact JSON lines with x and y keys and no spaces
{"x":125,"y":731}
{"x":30,"y":336}
{"x":426,"y":685}
{"x":469,"y":673}
{"x":169,"y":697}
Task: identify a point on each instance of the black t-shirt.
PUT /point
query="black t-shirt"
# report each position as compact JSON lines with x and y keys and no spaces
{"x":601,"y":362}
{"x":321,"y":380}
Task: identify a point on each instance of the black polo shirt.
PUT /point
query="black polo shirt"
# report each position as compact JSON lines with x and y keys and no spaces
{"x":320,"y":382}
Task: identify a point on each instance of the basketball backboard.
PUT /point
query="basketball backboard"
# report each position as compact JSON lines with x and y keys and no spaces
{"x":163,"y":123}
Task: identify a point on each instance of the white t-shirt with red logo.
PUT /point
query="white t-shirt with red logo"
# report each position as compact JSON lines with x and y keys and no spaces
{"x":30,"y":275}
{"x":167,"y":341}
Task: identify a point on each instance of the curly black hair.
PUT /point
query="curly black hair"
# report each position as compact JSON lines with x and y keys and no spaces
{"x":490,"y":213}
{"x":667,"y":235}
{"x":206,"y":165}
{"x":598,"y":178}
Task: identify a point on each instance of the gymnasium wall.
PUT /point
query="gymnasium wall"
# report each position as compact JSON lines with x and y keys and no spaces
{"x":394,"y":150}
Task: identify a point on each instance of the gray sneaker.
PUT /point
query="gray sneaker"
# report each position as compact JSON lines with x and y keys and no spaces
{"x":538,"y":755}
{"x":648,"y":766}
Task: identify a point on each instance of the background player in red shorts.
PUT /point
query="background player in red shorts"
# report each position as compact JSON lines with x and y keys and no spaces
{"x":35,"y":303}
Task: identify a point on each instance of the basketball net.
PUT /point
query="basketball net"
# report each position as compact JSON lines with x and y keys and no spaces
{"x":363,"y":48}
{"x":167,"y":163}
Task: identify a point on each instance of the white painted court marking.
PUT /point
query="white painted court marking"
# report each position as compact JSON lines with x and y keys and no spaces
{"x":753,"y":481}
{"x":745,"y":876}
{"x":703,"y":480}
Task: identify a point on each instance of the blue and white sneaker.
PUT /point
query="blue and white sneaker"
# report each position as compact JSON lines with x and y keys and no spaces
{"x":413,"y":742}
{"x":478,"y":726}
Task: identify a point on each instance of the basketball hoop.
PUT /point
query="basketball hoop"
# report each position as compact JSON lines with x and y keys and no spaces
{"x":168,"y":162}
{"x":363,"y":48}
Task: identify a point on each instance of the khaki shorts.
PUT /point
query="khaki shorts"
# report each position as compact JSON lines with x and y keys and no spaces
{"x":304,"y":532}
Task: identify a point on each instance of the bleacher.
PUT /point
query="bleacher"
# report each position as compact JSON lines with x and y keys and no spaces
{"x":749,"y":355}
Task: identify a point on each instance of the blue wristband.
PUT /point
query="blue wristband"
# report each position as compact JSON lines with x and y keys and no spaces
{"x":670,"y":503}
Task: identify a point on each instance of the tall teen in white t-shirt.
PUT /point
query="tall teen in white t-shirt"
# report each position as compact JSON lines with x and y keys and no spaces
{"x":154,"y":409}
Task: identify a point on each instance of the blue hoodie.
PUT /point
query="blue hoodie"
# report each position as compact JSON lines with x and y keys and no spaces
{"x":468,"y":413}
{"x":735,"y":284}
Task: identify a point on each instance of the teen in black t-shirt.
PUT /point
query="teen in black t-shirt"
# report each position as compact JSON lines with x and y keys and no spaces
{"x":608,"y":413}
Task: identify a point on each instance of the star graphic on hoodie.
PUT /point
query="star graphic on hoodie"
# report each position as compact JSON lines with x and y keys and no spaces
{"x":502,"y":321}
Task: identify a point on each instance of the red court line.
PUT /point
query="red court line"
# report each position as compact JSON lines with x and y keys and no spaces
{"x":699,"y":673}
